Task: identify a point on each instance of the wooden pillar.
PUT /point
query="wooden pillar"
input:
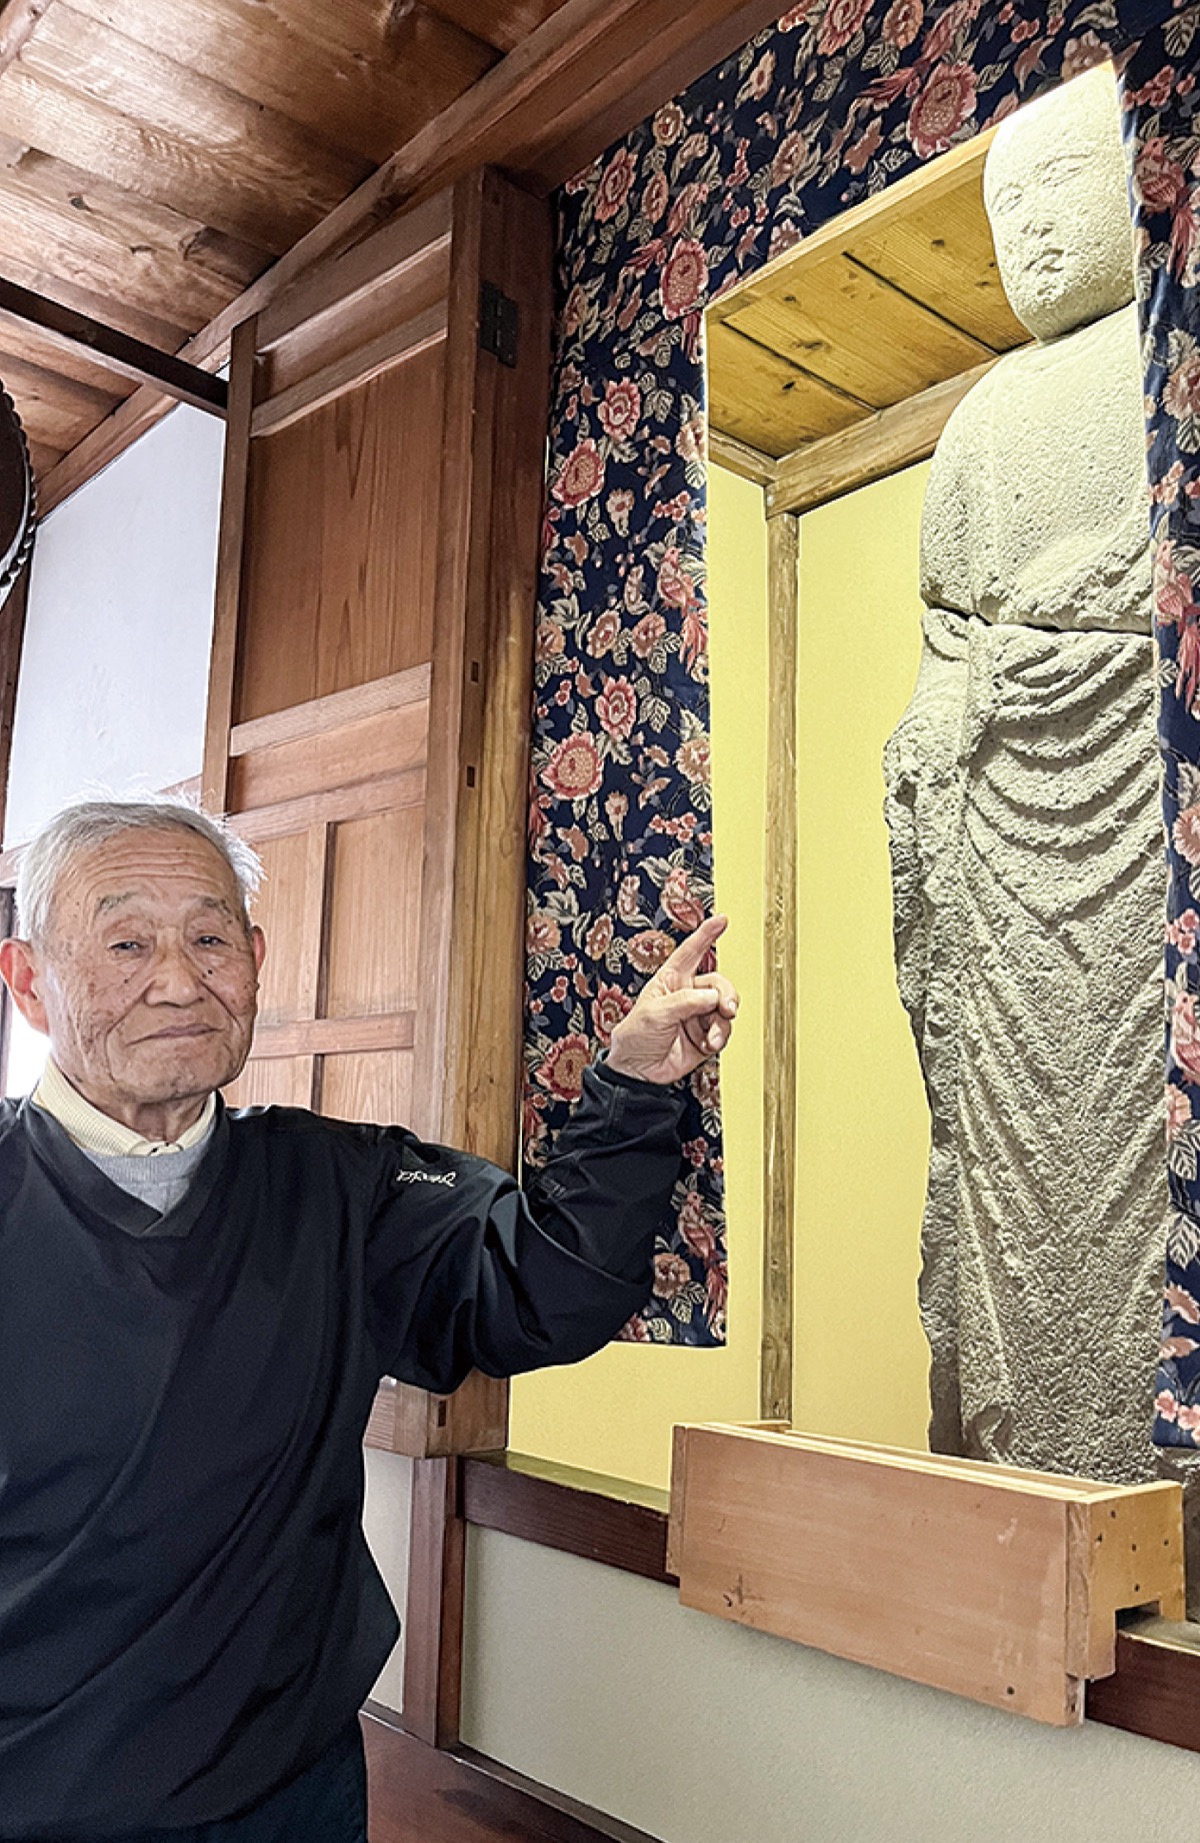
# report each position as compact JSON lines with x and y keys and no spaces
{"x":779,"y":972}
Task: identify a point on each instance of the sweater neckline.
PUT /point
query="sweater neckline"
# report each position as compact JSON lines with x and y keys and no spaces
{"x":87,"y":1187}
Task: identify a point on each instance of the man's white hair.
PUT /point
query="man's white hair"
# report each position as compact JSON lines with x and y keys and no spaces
{"x":89,"y":823}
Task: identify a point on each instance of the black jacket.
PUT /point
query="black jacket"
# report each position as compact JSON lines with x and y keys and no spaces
{"x":188,"y":1611}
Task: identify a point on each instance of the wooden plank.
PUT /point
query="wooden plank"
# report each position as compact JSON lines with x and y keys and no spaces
{"x":335,"y":606}
{"x":357,"y":368}
{"x":334,"y":1036}
{"x":52,"y":409}
{"x":73,"y":224}
{"x":502,"y":24}
{"x":284,"y":909}
{"x":384,"y":794}
{"x":12,"y":634}
{"x":780,"y":984}
{"x":978,"y":1584}
{"x":858,"y":334}
{"x":384,"y":743}
{"x":379,"y":263}
{"x":230,"y":548}
{"x":207,"y":167}
{"x":880,"y":445}
{"x":434,"y":1615}
{"x":769,"y":402}
{"x":740,"y":458}
{"x":19,"y":19}
{"x":372,"y":944}
{"x":116,"y":351}
{"x":572,"y":1518}
{"x":346,"y":73}
{"x":1155,"y":1690}
{"x":924,"y":187}
{"x":320,"y":715}
{"x":942,"y":251}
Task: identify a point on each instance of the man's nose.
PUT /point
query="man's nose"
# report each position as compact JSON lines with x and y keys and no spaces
{"x":175,"y":978}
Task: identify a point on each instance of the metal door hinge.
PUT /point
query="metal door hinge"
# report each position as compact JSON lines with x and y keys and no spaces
{"x":499,"y":324}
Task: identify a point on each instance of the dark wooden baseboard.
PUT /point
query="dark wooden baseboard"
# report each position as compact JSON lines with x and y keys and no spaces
{"x":1155,"y":1691}
{"x":423,"y":1794}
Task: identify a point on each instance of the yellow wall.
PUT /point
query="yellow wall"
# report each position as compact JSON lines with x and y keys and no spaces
{"x":615,"y":1412}
{"x":863,"y":1128}
{"x":863,"y":1132}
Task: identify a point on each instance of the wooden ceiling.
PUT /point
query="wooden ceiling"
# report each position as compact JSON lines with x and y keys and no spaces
{"x":158,"y":155}
{"x":884,"y":304}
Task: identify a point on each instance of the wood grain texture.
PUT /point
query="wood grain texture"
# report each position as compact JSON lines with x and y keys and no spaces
{"x":577,"y":1518}
{"x":378,"y":870}
{"x":333,"y":607}
{"x":116,"y":351}
{"x":1155,"y":1689}
{"x":336,"y":70}
{"x":434,"y":1621}
{"x":766,"y":401}
{"x":420,"y":1794}
{"x":223,"y":657}
{"x":12,"y":635}
{"x":328,"y":713}
{"x":869,"y":450}
{"x":994,"y":1584}
{"x":351,"y":371}
{"x":18,"y":21}
{"x":387,"y":742}
{"x":780,"y":983}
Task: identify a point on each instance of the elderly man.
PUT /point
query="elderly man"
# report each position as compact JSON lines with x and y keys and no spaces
{"x":195,"y":1309}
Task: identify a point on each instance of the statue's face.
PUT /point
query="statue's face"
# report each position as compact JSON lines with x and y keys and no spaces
{"x":1056,"y":197}
{"x":147,"y":983}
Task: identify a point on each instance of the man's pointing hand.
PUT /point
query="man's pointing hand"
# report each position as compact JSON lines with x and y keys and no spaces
{"x":682,"y":1015}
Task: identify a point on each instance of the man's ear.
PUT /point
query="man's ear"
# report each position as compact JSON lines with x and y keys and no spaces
{"x":21,"y":972}
{"x":257,"y":937}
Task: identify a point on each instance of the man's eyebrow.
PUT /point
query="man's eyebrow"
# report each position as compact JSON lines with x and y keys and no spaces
{"x":107,"y":903}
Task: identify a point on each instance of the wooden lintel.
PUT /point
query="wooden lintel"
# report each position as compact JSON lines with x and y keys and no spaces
{"x":881,"y":444}
{"x":114,"y":350}
{"x":738,"y":457}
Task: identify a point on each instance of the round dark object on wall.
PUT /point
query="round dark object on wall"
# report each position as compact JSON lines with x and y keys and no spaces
{"x":18,"y":498}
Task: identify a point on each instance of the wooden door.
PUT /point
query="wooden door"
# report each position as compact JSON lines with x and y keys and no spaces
{"x":370,"y":693}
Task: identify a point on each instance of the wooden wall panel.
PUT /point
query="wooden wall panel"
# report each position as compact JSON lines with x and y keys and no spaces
{"x":369,"y":1087}
{"x":332,"y":605}
{"x":373,"y":942}
{"x":387,"y":742}
{"x":281,"y":911}
{"x":283,"y":1081}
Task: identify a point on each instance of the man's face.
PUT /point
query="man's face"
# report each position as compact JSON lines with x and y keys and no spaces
{"x":147,"y":983}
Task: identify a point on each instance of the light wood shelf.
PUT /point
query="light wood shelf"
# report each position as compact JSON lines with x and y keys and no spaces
{"x":1000,"y":1585}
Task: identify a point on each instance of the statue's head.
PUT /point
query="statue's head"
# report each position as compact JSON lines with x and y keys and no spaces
{"x":1056,"y":194}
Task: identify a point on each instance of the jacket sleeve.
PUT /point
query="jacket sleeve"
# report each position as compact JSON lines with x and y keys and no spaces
{"x":465,"y":1270}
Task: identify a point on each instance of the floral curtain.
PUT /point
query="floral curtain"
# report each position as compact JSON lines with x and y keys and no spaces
{"x":835,"y":102}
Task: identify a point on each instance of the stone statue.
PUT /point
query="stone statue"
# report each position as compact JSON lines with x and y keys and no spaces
{"x":1022,"y":799}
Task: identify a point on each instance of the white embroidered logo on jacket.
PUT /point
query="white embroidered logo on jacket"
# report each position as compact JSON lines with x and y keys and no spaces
{"x":427,"y":1177}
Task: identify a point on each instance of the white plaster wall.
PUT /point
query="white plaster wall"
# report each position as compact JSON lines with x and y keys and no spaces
{"x":114,"y":670}
{"x":386,"y":1521}
{"x":601,"y":1685}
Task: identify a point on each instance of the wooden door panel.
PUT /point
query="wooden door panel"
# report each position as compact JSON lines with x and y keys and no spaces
{"x":386,"y":742}
{"x":334,"y":606}
{"x":282,"y":1081}
{"x":372,"y":953}
{"x":293,"y":868}
{"x":368,"y":1087}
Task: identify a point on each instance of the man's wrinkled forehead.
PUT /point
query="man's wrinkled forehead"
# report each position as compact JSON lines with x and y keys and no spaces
{"x":176,"y":869}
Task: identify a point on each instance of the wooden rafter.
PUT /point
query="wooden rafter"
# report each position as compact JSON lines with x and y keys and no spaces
{"x":114,"y":350}
{"x":18,"y":21}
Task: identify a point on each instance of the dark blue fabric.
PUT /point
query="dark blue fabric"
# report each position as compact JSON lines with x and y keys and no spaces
{"x":326,"y":1804}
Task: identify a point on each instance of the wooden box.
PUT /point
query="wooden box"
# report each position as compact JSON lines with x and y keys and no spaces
{"x":1000,"y":1585}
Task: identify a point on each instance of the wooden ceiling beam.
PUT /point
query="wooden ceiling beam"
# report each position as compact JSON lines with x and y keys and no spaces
{"x":628,"y":56}
{"x":116,"y":351}
{"x":19,"y":20}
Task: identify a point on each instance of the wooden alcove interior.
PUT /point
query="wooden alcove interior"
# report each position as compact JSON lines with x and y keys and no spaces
{"x":836,"y":365}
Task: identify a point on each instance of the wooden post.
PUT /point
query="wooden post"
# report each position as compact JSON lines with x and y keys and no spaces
{"x":779,"y":973}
